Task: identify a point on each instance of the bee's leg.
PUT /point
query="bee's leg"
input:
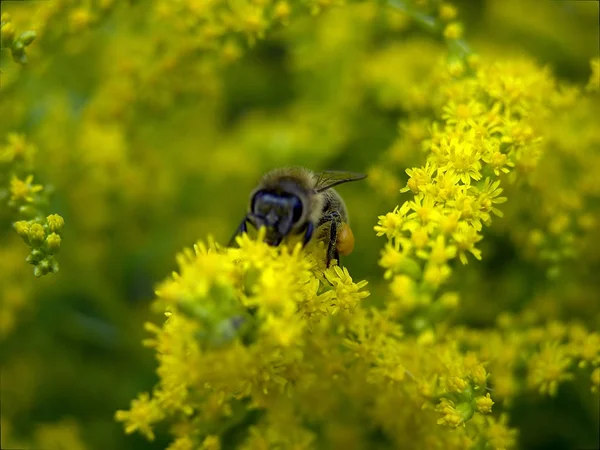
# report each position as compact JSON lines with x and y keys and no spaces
{"x":308,"y":233}
{"x":334,"y":219}
{"x":241,"y":229}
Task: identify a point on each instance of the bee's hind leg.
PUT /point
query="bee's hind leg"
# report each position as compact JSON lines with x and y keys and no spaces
{"x":334,"y":219}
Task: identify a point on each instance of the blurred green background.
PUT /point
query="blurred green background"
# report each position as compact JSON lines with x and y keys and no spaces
{"x":150,"y":146}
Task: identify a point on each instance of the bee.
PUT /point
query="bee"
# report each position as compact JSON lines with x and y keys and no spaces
{"x":297,"y":201}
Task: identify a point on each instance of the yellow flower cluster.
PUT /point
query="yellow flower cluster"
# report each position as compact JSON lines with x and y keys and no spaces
{"x":487,"y":136}
{"x":269,"y":337}
{"x":27,"y":200}
{"x":241,"y":329}
{"x":547,"y":353}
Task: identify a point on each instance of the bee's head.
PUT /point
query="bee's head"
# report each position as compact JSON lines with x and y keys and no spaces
{"x":278,"y":211}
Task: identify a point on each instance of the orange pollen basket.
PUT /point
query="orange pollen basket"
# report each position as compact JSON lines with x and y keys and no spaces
{"x":345,"y":240}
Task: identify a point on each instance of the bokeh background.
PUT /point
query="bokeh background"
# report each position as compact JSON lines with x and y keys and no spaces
{"x":152,"y":127}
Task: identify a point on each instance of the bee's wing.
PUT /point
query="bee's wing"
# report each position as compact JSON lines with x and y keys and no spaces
{"x":330,"y":178}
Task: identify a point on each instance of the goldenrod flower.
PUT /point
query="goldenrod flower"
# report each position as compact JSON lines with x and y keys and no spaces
{"x":447,"y":11}
{"x":484,"y":404}
{"x":548,"y":368}
{"x":453,"y":416}
{"x":453,"y":31}
{"x":143,"y":414}
{"x":499,"y":435}
{"x":24,"y":190}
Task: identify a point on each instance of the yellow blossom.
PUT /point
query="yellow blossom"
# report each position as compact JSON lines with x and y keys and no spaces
{"x":484,"y":404}
{"x":548,"y":368}
{"x":453,"y":416}
{"x":447,"y":11}
{"x":391,"y":223}
{"x":23,"y":190}
{"x":143,"y":414}
{"x":499,"y":435}
{"x":453,"y":31}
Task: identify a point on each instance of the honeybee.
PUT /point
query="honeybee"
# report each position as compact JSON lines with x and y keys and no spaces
{"x":297,"y":201}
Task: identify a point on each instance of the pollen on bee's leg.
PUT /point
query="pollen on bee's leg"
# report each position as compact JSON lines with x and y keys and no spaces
{"x":345,"y":240}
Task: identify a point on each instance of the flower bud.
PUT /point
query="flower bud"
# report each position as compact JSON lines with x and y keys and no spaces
{"x":55,"y":223}
{"x":53,"y":242}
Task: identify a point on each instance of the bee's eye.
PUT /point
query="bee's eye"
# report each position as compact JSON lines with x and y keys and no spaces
{"x":297,"y":205}
{"x":258,"y":203}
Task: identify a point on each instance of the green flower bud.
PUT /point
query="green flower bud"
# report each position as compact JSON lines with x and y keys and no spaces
{"x":53,"y":265}
{"x":27,"y":37}
{"x":35,"y":256}
{"x":53,"y":242}
{"x":42,"y":268}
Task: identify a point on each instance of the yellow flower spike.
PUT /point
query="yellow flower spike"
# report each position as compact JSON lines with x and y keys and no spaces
{"x":484,"y":404}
